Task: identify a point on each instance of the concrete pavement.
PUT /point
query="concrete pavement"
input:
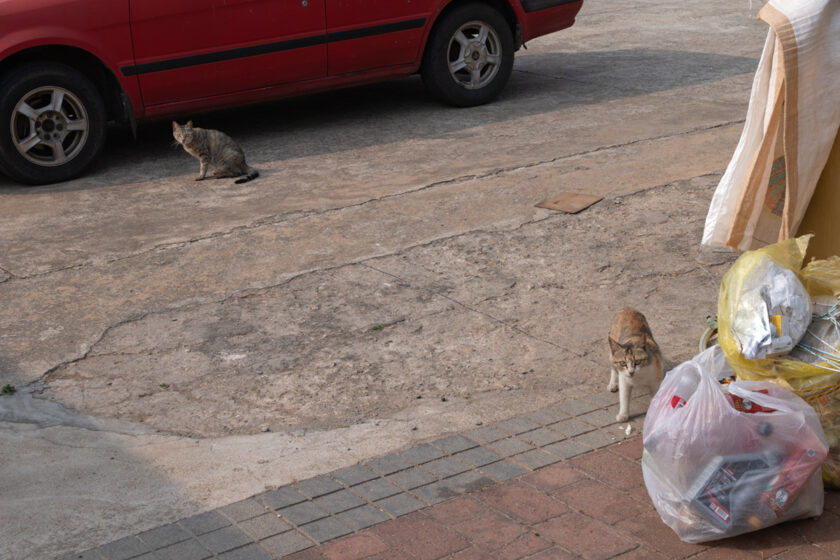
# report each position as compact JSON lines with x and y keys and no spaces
{"x":390,"y":250}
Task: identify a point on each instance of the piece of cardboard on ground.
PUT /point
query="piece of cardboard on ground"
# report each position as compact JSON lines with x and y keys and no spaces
{"x":569,"y":202}
{"x":823,"y":215}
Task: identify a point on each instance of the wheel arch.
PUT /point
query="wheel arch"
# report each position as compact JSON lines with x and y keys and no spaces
{"x":436,"y":72}
{"x":502,"y":6}
{"x":84,"y":62}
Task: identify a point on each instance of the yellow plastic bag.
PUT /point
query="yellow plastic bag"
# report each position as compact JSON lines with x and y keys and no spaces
{"x":816,"y":383}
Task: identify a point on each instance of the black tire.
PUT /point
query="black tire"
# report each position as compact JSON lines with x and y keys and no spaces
{"x":32,"y":128}
{"x":488,"y":63}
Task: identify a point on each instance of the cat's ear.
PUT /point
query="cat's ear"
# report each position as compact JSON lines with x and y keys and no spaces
{"x":174,"y":125}
{"x":615,"y":347}
{"x":189,"y":124}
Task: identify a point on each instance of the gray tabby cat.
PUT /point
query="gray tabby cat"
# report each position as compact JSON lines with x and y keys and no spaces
{"x":215,"y":148}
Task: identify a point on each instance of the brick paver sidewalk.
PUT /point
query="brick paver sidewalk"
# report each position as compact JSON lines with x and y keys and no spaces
{"x":560,"y":482}
{"x":594,"y":506}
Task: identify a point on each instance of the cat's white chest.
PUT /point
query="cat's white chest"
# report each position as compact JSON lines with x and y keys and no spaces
{"x":647,"y":377}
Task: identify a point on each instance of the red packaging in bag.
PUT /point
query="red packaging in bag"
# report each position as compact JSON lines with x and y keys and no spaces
{"x":797,"y":467}
{"x":726,"y":485}
{"x":745,"y":405}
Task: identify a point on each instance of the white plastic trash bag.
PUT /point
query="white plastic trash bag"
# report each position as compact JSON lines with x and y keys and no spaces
{"x":721,"y":460}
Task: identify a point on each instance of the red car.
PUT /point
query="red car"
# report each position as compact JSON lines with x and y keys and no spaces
{"x":67,"y":67}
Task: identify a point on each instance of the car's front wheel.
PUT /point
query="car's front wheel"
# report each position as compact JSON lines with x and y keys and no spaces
{"x":469,"y":56}
{"x":52,"y":123}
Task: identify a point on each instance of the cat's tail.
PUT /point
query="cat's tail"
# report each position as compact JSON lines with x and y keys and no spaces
{"x":249,"y":175}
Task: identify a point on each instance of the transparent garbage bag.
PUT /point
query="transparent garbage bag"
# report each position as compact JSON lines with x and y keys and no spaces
{"x":812,"y":369}
{"x":721,"y":460}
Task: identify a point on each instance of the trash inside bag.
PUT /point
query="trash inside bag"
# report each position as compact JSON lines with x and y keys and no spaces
{"x":812,"y":368}
{"x":722,"y":460}
{"x":822,"y":339}
{"x":773,"y":312}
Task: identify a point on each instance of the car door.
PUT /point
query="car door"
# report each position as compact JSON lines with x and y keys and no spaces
{"x":191,"y":49}
{"x":367,"y":34}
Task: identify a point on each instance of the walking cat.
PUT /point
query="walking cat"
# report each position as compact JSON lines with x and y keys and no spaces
{"x":634,"y":358}
{"x":215,"y":148}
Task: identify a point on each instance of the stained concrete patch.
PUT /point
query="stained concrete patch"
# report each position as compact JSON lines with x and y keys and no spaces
{"x":448,"y":320}
{"x":57,"y":317}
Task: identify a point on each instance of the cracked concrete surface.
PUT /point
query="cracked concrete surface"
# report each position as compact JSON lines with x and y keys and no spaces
{"x":469,"y":314}
{"x":249,"y":335}
{"x":186,"y":273}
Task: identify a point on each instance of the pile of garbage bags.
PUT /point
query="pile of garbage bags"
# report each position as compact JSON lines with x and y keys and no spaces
{"x":812,"y":368}
{"x":726,"y":457}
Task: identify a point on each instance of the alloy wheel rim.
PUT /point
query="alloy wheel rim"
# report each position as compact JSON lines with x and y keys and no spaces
{"x":49,"y":126}
{"x":474,"y":55}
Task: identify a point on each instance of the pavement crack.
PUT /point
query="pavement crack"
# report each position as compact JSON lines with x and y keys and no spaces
{"x":380,"y":326}
{"x":152,"y":352}
{"x":137,"y":317}
{"x":363,"y":261}
{"x":291,"y":217}
{"x":637,"y":141}
{"x":472,"y":309}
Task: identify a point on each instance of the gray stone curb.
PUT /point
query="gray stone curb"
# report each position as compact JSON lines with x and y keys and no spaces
{"x":313,"y":511}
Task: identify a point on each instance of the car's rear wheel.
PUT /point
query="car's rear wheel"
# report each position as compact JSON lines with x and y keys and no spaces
{"x":469,"y":56}
{"x":52,"y":123}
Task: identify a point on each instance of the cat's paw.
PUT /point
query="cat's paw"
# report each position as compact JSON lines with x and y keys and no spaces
{"x":621,"y":417}
{"x":613,"y":387}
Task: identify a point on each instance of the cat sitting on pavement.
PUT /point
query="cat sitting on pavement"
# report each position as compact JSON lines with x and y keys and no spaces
{"x":214,"y":148}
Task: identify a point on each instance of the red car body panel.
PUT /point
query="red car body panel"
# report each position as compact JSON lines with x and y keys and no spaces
{"x":267,"y":94}
{"x":392,"y":32}
{"x":548,"y":20}
{"x":39,"y":23}
{"x":180,"y":33}
{"x":177,"y":56}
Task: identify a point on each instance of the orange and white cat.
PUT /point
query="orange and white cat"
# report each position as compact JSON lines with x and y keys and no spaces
{"x":635,"y":359}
